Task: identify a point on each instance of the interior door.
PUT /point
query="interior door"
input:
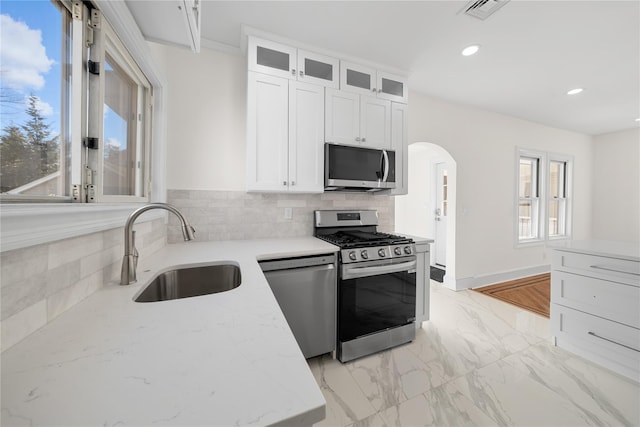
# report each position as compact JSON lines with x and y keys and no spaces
{"x":441,"y":213}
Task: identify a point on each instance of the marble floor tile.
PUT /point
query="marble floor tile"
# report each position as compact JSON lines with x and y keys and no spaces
{"x":606,"y":398}
{"x":393,"y":376}
{"x":476,"y":362}
{"x":346,"y":403}
{"x":513,"y":398}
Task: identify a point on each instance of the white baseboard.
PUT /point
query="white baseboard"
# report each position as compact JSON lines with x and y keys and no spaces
{"x":490,"y":279}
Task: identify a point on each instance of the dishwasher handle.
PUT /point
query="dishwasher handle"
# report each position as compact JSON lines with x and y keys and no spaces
{"x":325,"y":261}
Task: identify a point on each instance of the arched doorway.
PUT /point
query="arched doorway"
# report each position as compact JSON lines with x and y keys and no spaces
{"x":429,"y":207}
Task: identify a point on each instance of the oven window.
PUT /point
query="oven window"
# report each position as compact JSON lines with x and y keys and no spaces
{"x":375,"y":303}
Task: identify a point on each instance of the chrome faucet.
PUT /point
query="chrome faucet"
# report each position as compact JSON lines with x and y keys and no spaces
{"x":130,"y":260}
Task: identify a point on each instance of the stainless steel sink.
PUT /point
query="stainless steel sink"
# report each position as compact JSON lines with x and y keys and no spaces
{"x":191,"y":282}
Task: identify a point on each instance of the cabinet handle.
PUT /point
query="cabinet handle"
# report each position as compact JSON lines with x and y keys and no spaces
{"x":593,"y":334}
{"x":293,"y":183}
{"x":601,"y":267}
{"x":293,"y":71}
{"x":301,"y":73}
{"x":284,"y":183}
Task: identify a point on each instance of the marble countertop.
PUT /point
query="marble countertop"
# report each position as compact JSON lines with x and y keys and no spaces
{"x":607,"y":248}
{"x":222,"y":359}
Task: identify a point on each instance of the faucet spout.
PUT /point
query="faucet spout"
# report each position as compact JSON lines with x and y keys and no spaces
{"x":130,"y":260}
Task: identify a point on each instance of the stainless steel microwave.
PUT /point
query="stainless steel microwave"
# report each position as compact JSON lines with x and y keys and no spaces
{"x":355,"y":168}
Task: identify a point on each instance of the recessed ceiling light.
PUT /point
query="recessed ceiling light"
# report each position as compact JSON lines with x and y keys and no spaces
{"x":575,"y":91}
{"x":470,"y":50}
{"x":638,"y":119}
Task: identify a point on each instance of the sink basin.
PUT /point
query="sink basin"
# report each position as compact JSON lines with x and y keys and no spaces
{"x":191,"y":282}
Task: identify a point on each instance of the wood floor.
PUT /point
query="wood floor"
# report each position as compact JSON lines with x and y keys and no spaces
{"x":531,"y":293}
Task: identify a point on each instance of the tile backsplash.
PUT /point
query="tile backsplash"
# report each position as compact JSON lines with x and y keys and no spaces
{"x":232,"y":215}
{"x":40,"y":282}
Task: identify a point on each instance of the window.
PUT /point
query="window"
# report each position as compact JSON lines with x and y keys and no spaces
{"x":75,"y":130}
{"x":35,"y":84}
{"x":543,"y":196}
{"x":529,"y":198}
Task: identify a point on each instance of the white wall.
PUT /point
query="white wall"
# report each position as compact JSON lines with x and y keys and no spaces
{"x":616,"y":184}
{"x":483,"y":144}
{"x":206,"y":117}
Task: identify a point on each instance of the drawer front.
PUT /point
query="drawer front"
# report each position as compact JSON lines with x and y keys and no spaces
{"x":608,"y":343}
{"x":597,"y":266}
{"x":611,"y":300}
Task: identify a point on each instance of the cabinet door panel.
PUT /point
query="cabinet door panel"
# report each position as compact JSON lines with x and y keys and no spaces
{"x":318,"y":69}
{"x":342,"y":120}
{"x":399,"y":142}
{"x":306,"y":137}
{"x":392,"y":87}
{"x":357,"y":78}
{"x":267,"y":133}
{"x":375,"y":122}
{"x":271,"y":58}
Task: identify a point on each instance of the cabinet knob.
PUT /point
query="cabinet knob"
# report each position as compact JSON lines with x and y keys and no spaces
{"x":293,"y":183}
{"x":301,"y":73}
{"x":364,"y":139}
{"x":284,"y":183}
{"x":293,"y":71}
{"x":358,"y":138}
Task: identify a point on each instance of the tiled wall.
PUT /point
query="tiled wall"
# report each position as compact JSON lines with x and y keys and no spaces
{"x":231,"y":215}
{"x":40,"y":282}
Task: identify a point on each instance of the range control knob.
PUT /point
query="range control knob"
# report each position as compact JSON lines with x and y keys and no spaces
{"x":364,"y":254}
{"x":407,"y":250}
{"x":382,"y":253}
{"x":397,"y":251}
{"x":352,"y":255}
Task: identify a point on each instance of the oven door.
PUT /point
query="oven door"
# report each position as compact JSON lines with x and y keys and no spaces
{"x":376,"y":296}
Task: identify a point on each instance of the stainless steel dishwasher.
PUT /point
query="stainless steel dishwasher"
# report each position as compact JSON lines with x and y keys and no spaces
{"x":305,"y":289}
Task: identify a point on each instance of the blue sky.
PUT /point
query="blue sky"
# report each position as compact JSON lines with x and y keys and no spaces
{"x":30,"y":59}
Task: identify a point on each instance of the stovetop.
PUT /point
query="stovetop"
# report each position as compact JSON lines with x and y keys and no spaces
{"x":355,"y":232}
{"x":362,"y":239}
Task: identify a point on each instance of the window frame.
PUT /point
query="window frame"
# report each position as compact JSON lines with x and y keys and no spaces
{"x":27,"y":224}
{"x":568,"y":195}
{"x":544,"y":183}
{"x":537,"y":204}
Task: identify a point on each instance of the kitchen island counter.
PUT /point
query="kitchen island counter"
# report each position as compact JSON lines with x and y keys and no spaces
{"x":223,"y":359}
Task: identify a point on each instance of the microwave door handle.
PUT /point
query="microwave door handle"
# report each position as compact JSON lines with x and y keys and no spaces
{"x":385,"y":175}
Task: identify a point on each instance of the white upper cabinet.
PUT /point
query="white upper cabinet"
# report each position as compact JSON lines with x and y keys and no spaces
{"x":267,"y":133}
{"x":285,"y":61}
{"x":285,"y":135}
{"x":399,"y":143}
{"x":375,"y":122}
{"x":366,"y":80}
{"x":357,"y":120}
{"x":306,"y":138}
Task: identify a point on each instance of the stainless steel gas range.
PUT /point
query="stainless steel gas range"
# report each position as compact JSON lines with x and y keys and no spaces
{"x":376,"y":282}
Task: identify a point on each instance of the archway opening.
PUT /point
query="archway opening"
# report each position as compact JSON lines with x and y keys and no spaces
{"x":429,"y":207}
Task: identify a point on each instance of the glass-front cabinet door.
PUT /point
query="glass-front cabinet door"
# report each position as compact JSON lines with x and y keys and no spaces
{"x":272,"y":58}
{"x":357,"y":78}
{"x":280,"y":60}
{"x":318,"y":69}
{"x":392,"y":87}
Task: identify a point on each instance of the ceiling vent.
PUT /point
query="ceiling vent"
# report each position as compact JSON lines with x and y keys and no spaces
{"x":482,"y":9}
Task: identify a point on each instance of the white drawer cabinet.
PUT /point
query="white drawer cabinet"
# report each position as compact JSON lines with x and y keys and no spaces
{"x":611,"y":344}
{"x":595,"y":306}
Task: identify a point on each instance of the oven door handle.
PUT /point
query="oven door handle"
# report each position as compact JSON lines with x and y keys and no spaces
{"x":355,"y":272}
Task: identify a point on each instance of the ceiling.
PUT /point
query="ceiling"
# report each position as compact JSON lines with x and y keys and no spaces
{"x":532,"y":52}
